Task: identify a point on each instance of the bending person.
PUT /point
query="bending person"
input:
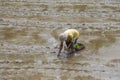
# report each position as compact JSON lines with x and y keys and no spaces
{"x":70,"y":37}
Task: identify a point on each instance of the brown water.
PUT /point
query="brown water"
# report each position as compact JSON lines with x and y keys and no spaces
{"x":31,"y":54}
{"x":29,"y":42}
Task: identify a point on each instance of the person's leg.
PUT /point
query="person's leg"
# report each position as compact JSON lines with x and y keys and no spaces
{"x":74,"y":42}
{"x":72,"y":45}
{"x":67,"y":43}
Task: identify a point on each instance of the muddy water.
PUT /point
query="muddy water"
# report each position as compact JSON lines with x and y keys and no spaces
{"x":31,"y":54}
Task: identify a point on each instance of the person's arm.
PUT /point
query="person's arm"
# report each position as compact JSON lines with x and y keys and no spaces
{"x":71,"y":40}
{"x":61,"y":46}
{"x":70,"y":45}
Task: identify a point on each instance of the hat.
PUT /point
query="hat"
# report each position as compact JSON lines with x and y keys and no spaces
{"x":63,"y":37}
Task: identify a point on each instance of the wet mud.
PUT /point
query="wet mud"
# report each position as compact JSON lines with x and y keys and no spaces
{"x":29,"y":42}
{"x":31,"y":53}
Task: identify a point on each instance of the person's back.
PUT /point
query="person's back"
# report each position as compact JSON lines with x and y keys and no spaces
{"x":72,"y":34}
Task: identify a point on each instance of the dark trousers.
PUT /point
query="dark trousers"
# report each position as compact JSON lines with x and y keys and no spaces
{"x":71,"y":44}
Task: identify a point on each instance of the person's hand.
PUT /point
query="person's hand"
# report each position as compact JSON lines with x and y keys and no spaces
{"x":58,"y":55}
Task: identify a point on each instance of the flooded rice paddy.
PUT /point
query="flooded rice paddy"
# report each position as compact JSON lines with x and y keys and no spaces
{"x":29,"y":42}
{"x":30,"y":53}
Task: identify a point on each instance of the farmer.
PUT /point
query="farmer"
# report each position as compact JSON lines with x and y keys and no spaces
{"x":70,"y":37}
